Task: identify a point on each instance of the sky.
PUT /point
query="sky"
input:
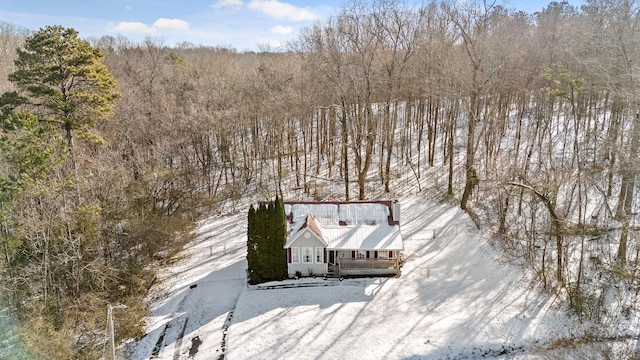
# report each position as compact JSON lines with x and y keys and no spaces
{"x":246,"y":25}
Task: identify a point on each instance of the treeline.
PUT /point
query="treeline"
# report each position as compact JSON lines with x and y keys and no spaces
{"x":527,"y":120}
{"x":80,"y":228}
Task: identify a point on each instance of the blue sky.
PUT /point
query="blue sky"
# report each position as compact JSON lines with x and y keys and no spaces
{"x":242,"y":24}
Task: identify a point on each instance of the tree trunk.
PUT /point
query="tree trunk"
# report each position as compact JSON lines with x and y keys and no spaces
{"x":390,"y":144}
{"x":625,"y":200}
{"x":345,"y":148}
{"x":471,"y":174}
{"x":557,"y":225}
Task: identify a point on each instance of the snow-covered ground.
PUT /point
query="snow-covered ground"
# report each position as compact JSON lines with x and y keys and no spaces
{"x":453,"y":300}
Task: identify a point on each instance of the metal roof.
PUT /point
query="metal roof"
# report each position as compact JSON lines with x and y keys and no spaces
{"x":346,"y":226}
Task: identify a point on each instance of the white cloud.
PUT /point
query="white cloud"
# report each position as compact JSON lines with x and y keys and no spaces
{"x":171,"y":24}
{"x":159,"y":25}
{"x":234,"y":4}
{"x":282,"y":30}
{"x":281,"y":10}
{"x":133,"y":28}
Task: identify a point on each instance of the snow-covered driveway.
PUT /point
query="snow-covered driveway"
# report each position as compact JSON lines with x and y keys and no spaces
{"x":196,"y":295}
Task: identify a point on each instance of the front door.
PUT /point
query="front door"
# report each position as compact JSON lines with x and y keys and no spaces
{"x":332,"y":257}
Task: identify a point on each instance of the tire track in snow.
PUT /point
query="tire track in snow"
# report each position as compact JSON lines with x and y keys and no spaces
{"x":225,"y":329}
{"x":159,"y":346}
{"x":176,"y":352}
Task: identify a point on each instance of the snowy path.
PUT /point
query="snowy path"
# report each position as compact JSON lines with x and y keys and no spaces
{"x":200,"y":291}
{"x":453,"y":300}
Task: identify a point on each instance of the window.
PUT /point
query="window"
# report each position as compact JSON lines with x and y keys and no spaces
{"x":307,"y":254}
{"x":383,"y":255}
{"x":319,"y":255}
{"x":361,"y":254}
{"x":295,"y":255}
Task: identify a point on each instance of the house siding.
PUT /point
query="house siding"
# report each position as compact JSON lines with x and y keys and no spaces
{"x":311,"y":241}
{"x":309,"y":268}
{"x":351,"y":254}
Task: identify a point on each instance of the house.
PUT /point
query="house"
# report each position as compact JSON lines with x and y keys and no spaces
{"x":343,"y":238}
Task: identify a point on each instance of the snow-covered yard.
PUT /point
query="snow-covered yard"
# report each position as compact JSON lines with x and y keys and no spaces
{"x":454,"y":299}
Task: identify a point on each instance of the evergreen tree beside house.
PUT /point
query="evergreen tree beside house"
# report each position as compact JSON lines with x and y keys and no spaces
{"x":266,"y":236}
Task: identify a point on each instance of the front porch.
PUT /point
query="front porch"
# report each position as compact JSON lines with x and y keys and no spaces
{"x":365,"y":267}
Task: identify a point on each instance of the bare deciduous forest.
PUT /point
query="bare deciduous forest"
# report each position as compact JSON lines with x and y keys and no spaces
{"x":531,"y":122}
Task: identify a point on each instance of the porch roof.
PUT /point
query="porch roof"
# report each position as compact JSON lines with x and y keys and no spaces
{"x":364,"y":237}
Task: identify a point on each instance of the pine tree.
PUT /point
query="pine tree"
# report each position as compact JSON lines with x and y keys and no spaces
{"x":279,"y":256}
{"x":266,"y":236}
{"x":262,"y":240}
{"x":251,"y":245}
{"x":62,"y":80}
{"x":269,"y":242}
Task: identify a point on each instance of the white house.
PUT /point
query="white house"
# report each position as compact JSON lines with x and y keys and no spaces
{"x":343,"y":238}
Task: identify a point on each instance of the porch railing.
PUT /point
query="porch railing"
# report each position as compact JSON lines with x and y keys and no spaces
{"x":367,"y":263}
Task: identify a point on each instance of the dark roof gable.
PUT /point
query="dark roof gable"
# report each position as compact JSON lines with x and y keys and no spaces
{"x":310,"y":223}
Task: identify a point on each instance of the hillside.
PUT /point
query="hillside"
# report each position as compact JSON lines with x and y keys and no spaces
{"x":527,"y":122}
{"x":455,"y":299}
